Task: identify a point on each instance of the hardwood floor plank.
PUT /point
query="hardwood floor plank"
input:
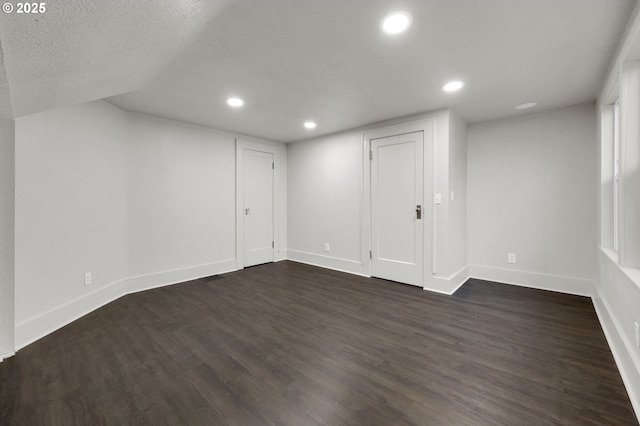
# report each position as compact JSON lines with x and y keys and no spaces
{"x":291,"y":344}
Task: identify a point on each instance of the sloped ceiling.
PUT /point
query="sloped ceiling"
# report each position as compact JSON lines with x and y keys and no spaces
{"x":294,"y":60}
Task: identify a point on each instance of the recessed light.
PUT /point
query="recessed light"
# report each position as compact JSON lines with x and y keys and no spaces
{"x":396,"y":22}
{"x":235,"y":102}
{"x":453,"y":86}
{"x":310,"y":125}
{"x":527,"y":105}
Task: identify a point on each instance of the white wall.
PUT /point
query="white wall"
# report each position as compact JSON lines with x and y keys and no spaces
{"x":326,"y":204}
{"x":71,"y":210}
{"x":136,"y":200}
{"x":532,"y":191}
{"x":7,"y":237}
{"x":181,"y":195}
{"x":456,"y":242}
{"x":325,"y":200}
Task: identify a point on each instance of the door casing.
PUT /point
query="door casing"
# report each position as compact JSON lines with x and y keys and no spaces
{"x":397,"y":231}
{"x":258,"y":207}
{"x":278,"y":158}
{"x":428,"y":127}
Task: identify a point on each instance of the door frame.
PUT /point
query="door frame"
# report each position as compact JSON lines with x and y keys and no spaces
{"x":395,"y":269}
{"x":428,"y":127}
{"x":241,"y":145}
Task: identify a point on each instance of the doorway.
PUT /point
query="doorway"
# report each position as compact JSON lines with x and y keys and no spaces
{"x":255,"y":203}
{"x":258,"y":207}
{"x":397,"y":208}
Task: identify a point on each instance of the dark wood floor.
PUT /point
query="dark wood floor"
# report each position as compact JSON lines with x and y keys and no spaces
{"x":290,"y":344}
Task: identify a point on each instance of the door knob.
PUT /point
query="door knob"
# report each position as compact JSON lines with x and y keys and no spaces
{"x":419,"y":211}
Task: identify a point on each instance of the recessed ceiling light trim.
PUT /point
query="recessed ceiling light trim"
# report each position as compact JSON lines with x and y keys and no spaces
{"x":310,"y":125}
{"x":235,"y":102}
{"x":527,"y":105}
{"x":396,"y":22}
{"x":453,"y":86}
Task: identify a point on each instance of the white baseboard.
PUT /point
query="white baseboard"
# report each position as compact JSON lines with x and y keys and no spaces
{"x":280,"y":256}
{"x":335,"y":263}
{"x":175,"y":276}
{"x":37,"y":327}
{"x":559,"y":283}
{"x":444,"y":285}
{"x":7,"y":355}
{"x":46,"y":323}
{"x":448,"y":285}
{"x":623,"y":352}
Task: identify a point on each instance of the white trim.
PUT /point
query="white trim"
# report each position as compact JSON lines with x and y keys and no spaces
{"x":35,"y":328}
{"x":632,"y":275}
{"x":428,"y":128}
{"x":335,"y":263}
{"x":448,"y":285}
{"x":625,"y":356}
{"x":7,"y":355}
{"x":397,"y":129}
{"x":41,"y":325}
{"x":429,"y":194}
{"x":176,"y":276}
{"x":559,"y":283}
{"x":365,"y":208}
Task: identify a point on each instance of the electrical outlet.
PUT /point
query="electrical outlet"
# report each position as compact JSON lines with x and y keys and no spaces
{"x":637,"y":325}
{"x":327,"y":247}
{"x":511,"y":258}
{"x":87,"y":278}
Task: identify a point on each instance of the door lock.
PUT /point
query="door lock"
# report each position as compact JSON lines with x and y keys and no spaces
{"x":419,"y":211}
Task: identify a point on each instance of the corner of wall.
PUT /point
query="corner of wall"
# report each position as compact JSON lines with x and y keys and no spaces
{"x":558,"y":283}
{"x":7,"y":238}
{"x":148,"y":161}
{"x":447,"y":285}
{"x":46,"y":323}
{"x":328,"y":262}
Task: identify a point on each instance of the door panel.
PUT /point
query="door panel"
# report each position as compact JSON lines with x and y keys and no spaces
{"x":258,"y":207}
{"x":397,"y":178}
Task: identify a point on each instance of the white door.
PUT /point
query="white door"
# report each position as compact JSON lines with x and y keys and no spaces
{"x":397,"y":233}
{"x":257,"y":207}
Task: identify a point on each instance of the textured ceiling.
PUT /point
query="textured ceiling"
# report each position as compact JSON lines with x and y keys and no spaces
{"x":293,"y":60}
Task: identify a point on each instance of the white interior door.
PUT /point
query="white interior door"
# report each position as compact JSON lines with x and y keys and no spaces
{"x":257,"y":207}
{"x":397,"y":179}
